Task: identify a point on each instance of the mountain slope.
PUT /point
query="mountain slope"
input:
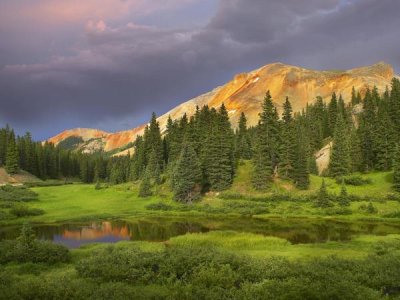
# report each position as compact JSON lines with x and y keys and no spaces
{"x":246,"y":91}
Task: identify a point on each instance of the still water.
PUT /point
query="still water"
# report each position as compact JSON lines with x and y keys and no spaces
{"x":296,"y":231}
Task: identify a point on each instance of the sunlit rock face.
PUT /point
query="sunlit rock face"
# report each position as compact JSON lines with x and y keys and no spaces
{"x":245,"y":93}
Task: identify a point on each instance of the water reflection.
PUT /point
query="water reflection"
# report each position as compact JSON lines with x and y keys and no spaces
{"x":294,"y":230}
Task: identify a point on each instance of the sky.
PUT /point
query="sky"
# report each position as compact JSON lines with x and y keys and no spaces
{"x":109,"y":64}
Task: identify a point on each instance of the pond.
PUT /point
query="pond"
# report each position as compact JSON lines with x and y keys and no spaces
{"x":296,"y":231}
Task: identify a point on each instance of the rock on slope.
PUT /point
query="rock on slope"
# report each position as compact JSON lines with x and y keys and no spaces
{"x":246,"y":91}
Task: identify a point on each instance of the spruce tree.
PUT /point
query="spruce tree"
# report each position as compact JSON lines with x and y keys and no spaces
{"x":145,"y":185}
{"x":322,"y":199}
{"x":265,"y":155}
{"x":243,"y":148}
{"x":288,"y":142}
{"x":187,"y":176}
{"x":270,"y":129}
{"x":344,"y":196}
{"x":301,"y":175}
{"x":153,"y":141}
{"x":262,"y":164}
{"x":396,"y":169}
{"x":220,"y":153}
{"x":340,"y":164}
{"x":384,"y":139}
{"x":367,"y":132}
{"x":12,"y":164}
{"x":333,"y":113}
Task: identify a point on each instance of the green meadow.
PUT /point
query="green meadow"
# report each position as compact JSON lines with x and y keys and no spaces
{"x":272,"y":245}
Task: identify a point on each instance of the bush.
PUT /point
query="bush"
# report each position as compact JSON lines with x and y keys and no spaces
{"x":203,"y":272}
{"x":159,"y":206}
{"x":47,"y":183}
{"x":370,"y":208}
{"x":27,"y":249}
{"x":338,"y":211}
{"x":24,"y":211}
{"x":393,"y":197}
{"x":246,"y":208}
{"x":395,"y":214}
{"x":355,"y":180}
{"x":16,"y":193}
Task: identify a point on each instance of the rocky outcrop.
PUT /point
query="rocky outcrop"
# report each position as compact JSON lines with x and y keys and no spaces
{"x":245,"y":93}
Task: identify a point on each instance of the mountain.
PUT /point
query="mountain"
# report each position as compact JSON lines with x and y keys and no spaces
{"x":245,"y":93}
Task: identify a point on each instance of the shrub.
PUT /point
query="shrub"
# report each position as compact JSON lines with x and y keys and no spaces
{"x":246,"y":208}
{"x":370,"y":208}
{"x":16,"y":193}
{"x":27,"y":249}
{"x":394,"y":214}
{"x":24,"y":211}
{"x":338,"y":211}
{"x":159,"y":206}
{"x":393,"y":197}
{"x":355,"y":180}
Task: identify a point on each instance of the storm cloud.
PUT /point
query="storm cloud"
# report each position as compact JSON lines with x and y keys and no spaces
{"x":110,"y":68}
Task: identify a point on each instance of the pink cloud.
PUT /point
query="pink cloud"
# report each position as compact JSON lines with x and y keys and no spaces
{"x":56,"y":11}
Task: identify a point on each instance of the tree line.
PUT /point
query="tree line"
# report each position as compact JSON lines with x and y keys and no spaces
{"x":201,"y":153}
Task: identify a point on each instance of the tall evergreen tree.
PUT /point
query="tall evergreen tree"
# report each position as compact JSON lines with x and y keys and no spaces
{"x":243,"y":144}
{"x":220,"y":165}
{"x":187,"y":176}
{"x":340,"y":157}
{"x":396,"y":170}
{"x":288,"y":142}
{"x":145,"y":185}
{"x":333,"y":113}
{"x":153,"y":141}
{"x":12,"y":158}
{"x":344,"y":196}
{"x":301,"y":162}
{"x":265,"y":155}
{"x":322,"y":199}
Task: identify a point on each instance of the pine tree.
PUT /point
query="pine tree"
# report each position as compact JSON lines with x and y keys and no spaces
{"x":396,"y":170}
{"x":12,"y":164}
{"x":262,"y":165}
{"x":323,"y":199}
{"x":187,"y":176}
{"x":265,"y":156}
{"x":153,"y":141}
{"x":355,"y":150}
{"x":220,"y":153}
{"x":288,"y":143}
{"x":269,"y":125}
{"x":333,"y":113}
{"x":300,"y":165}
{"x":394,"y":104}
{"x":355,"y":97}
{"x":344,"y":196}
{"x":243,"y":147}
{"x":367,"y":132}
{"x":384,"y":139}
{"x":145,"y":185}
{"x":340,"y":157}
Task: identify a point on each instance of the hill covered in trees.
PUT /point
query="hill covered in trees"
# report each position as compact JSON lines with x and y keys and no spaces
{"x":245,"y":93}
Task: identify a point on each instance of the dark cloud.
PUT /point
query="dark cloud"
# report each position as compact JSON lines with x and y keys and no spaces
{"x":118,"y":75}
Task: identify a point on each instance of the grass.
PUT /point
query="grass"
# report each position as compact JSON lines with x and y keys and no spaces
{"x":82,"y":202}
{"x":265,"y":246}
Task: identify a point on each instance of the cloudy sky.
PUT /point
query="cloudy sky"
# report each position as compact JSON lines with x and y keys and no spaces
{"x":109,"y":63}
